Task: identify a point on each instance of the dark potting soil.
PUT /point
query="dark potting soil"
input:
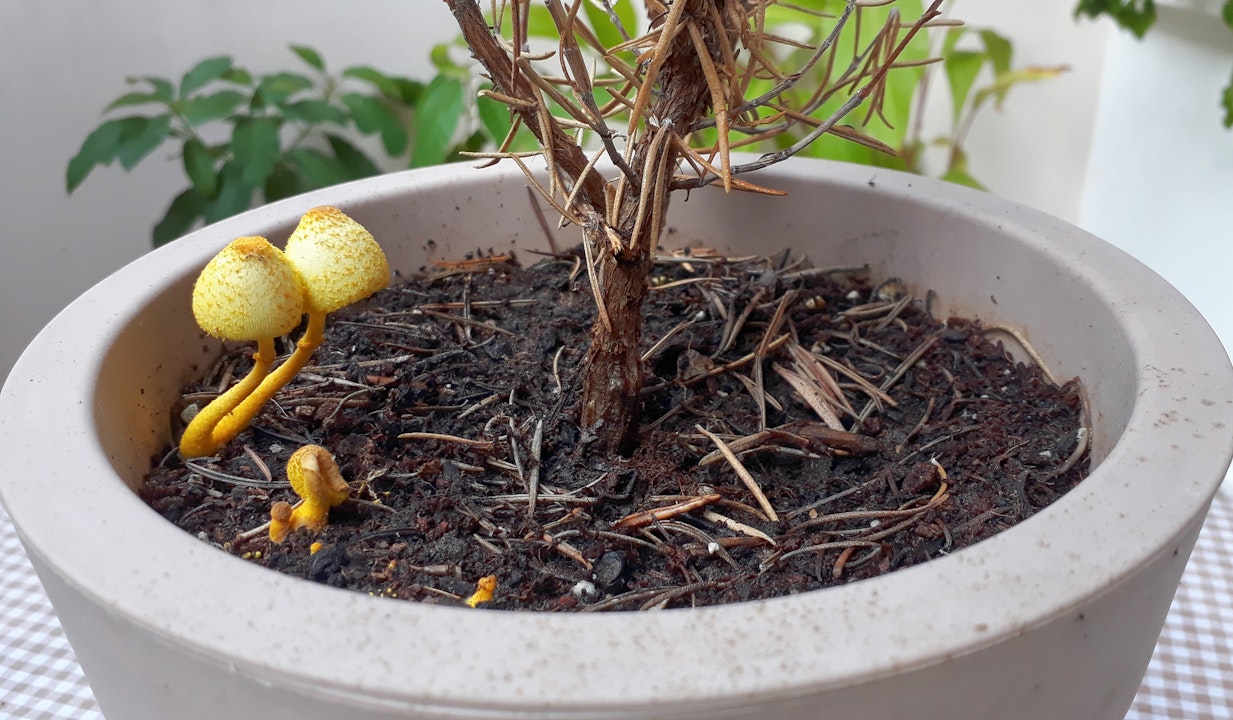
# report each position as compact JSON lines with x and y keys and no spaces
{"x":449,"y":402}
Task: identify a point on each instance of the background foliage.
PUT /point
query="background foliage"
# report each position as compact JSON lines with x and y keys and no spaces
{"x":977,"y":69}
{"x":245,"y":139}
{"x":242,"y":138}
{"x":1138,"y":16}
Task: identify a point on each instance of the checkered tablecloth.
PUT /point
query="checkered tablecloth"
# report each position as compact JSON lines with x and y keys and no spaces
{"x":1190,"y":676}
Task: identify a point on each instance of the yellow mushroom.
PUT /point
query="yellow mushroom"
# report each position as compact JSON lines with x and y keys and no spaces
{"x":280,"y":520}
{"x":483,"y":590}
{"x":315,"y":477}
{"x":248,"y":292}
{"x":339,"y":263}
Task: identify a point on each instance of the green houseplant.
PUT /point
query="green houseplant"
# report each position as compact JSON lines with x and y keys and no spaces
{"x":242,"y":138}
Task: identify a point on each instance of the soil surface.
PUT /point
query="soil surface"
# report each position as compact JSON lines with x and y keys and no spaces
{"x":449,"y":403}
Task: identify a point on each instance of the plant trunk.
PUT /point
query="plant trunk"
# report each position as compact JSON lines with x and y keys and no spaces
{"x":612,"y":379}
{"x":624,"y":249}
{"x":612,"y":382}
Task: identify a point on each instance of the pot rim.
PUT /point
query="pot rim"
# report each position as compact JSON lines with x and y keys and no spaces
{"x":123,"y":555}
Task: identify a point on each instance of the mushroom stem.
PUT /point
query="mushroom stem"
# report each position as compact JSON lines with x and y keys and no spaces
{"x":199,"y":438}
{"x":244,"y":412}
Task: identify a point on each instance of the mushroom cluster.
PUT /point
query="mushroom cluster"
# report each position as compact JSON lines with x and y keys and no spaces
{"x":253,"y":292}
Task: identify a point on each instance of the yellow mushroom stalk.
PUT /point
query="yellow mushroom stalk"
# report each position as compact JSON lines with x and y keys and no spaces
{"x":248,"y":292}
{"x":339,"y":263}
{"x":315,"y":477}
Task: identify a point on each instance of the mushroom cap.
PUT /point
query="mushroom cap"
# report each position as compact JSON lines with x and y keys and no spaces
{"x":248,"y":291}
{"x":337,"y":258}
{"x":315,"y":477}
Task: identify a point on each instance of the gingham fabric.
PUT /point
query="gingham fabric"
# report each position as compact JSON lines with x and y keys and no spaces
{"x":39,"y":675}
{"x":1190,"y":676}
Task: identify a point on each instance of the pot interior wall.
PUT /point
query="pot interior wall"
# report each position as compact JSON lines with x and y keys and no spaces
{"x":968,"y":265}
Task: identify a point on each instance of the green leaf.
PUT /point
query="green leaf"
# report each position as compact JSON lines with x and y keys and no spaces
{"x":443,"y":60}
{"x":133,"y":98}
{"x":957,"y":170}
{"x":495,"y":118}
{"x":140,"y":138}
{"x":1136,"y":16}
{"x":256,"y":146}
{"x":832,"y":147}
{"x":1226,"y":12}
{"x":962,"y":67}
{"x":384,"y":84}
{"x":353,"y":160}
{"x":316,"y":169}
{"x":473,"y":143}
{"x":203,"y":73}
{"x":180,"y":216}
{"x":371,"y":116}
{"x":310,"y":56}
{"x":277,"y":88}
{"x":437,"y":118}
{"x":238,"y":76}
{"x":100,"y":148}
{"x":313,"y":112}
{"x":409,"y":90}
{"x":1003,"y":83}
{"x":953,"y":36}
{"x":234,"y":194}
{"x":162,"y":88}
{"x":205,"y":108}
{"x":540,"y":24}
{"x":1226,"y":102}
{"x":607,"y":31}
{"x":1001,"y":51}
{"x":960,"y":177}
{"x":199,"y":167}
{"x":283,"y":182}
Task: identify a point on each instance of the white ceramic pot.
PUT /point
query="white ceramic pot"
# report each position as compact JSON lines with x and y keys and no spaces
{"x":1054,"y":618}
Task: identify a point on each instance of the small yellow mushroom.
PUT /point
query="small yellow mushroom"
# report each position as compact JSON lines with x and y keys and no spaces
{"x":483,"y":590}
{"x":315,"y":477}
{"x":280,"y":521}
{"x":339,"y":263}
{"x":248,"y":292}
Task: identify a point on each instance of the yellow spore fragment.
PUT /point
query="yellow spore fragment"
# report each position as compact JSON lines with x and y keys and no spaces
{"x":315,"y":477}
{"x":483,"y":590}
{"x":315,"y":548}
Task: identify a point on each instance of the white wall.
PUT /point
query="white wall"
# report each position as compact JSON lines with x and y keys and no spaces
{"x":61,"y":62}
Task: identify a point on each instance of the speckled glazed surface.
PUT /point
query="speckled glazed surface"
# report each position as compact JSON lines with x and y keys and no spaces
{"x":1054,"y":618}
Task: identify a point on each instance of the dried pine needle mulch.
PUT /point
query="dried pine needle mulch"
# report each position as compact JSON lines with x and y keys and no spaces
{"x":449,"y":403}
